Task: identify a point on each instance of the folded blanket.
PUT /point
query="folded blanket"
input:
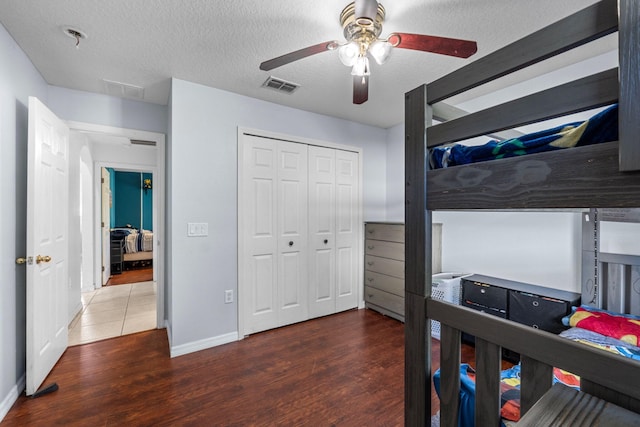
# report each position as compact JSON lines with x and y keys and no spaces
{"x":602,"y":127}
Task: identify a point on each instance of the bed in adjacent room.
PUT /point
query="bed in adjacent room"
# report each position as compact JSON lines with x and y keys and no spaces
{"x":138,"y":246}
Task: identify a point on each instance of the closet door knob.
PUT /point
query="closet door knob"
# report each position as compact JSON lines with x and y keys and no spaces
{"x":326,"y":241}
{"x":291,"y":243}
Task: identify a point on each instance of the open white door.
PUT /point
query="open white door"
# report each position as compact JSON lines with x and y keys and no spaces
{"x":47,"y":242}
{"x":106,"y":224}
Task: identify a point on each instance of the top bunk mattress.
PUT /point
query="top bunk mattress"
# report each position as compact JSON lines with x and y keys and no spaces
{"x":602,"y":127}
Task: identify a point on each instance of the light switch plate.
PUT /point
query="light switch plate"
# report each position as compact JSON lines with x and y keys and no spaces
{"x":197,"y":229}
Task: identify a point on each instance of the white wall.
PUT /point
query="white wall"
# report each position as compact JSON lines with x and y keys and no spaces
{"x":203,"y":186}
{"x":106,"y":110}
{"x":395,"y":173}
{"x":86,"y":219}
{"x":18,"y":80}
{"x":543,"y":248}
{"x":77,"y":255}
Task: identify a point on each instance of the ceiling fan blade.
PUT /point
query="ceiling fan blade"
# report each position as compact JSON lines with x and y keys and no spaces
{"x":441,"y":45}
{"x":360,"y":89}
{"x":366,"y":9}
{"x":298,"y":54}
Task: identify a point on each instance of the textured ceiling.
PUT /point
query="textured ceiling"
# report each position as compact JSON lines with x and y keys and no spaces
{"x":221,"y":44}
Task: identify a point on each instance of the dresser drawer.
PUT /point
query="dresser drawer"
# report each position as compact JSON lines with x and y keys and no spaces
{"x":383,"y":282}
{"x":384,"y":249}
{"x":484,"y":295}
{"x":387,"y":266}
{"x":538,"y":312}
{"x":384,"y":299}
{"x":389,"y":232}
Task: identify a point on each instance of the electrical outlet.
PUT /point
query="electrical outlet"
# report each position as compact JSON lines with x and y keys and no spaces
{"x":228,"y":296}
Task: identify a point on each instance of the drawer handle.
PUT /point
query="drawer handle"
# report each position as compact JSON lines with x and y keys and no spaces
{"x":482,"y":291}
{"x":326,"y":241}
{"x":370,"y":295}
{"x":535,"y":303}
{"x":535,"y":327}
{"x":370,"y":262}
{"x":370,"y":247}
{"x":370,"y":279}
{"x":291,"y":243}
{"x":371,"y":231}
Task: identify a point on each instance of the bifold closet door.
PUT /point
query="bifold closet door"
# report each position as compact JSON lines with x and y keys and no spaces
{"x":333,"y":235}
{"x":274,"y":193}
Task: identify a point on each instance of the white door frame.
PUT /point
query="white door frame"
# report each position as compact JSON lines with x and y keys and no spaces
{"x":158,"y":203}
{"x":300,"y":140}
{"x":106,"y":254}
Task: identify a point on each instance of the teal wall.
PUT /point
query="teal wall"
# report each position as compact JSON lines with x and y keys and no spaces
{"x":112,"y":209}
{"x":132,"y":205}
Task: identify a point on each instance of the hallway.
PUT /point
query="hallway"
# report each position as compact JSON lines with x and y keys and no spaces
{"x":112,"y":311}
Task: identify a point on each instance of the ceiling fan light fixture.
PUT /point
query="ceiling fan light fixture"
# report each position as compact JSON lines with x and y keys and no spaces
{"x":348,"y":53}
{"x":380,"y":50}
{"x":361,"y":67}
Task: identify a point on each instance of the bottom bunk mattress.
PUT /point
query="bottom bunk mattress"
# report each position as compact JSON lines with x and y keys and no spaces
{"x":612,"y":332}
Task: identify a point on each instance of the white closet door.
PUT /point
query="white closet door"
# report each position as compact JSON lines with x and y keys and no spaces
{"x":322,"y":224}
{"x":347,"y":235}
{"x":292,"y":232}
{"x":260,"y":234}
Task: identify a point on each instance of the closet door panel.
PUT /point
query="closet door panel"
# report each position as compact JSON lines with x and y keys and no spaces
{"x":292,"y":212}
{"x":260,"y":234}
{"x":322,"y":223}
{"x":347,"y":234}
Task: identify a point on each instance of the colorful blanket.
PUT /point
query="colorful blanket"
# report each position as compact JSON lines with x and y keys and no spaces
{"x":510,"y":378}
{"x":602,"y":127}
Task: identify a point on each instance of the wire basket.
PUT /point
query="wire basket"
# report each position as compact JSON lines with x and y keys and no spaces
{"x":445,"y":287}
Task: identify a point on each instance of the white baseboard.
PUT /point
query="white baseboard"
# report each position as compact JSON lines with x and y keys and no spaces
{"x":11,"y":397}
{"x":191,"y":347}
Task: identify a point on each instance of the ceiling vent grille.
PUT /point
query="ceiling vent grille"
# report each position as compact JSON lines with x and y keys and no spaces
{"x":123,"y":90}
{"x":280,"y":85}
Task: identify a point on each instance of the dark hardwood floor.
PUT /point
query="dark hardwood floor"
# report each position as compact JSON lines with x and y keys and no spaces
{"x":341,"y":370}
{"x":132,"y":276}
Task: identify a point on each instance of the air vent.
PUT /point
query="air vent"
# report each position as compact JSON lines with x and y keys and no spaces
{"x":280,"y":85}
{"x":123,"y":90}
{"x":142,"y":142}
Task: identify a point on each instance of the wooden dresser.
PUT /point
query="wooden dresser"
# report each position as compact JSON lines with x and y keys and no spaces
{"x":384,"y":266}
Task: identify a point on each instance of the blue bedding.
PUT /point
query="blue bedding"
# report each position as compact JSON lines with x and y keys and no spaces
{"x":602,"y":127}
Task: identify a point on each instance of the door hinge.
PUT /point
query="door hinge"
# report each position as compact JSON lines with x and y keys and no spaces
{"x":102,"y":224}
{"x":102,"y":180}
{"x":103,"y":268}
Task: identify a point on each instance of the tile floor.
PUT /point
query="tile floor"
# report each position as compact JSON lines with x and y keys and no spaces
{"x":112,"y":311}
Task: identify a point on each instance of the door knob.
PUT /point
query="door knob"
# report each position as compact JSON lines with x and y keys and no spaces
{"x":21,"y":260}
{"x":291,"y":243}
{"x":41,"y":258}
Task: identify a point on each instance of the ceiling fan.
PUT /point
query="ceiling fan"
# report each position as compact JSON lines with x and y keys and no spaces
{"x":362,"y":25}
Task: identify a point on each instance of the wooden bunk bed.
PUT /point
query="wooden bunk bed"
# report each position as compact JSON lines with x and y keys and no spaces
{"x":604,"y":175}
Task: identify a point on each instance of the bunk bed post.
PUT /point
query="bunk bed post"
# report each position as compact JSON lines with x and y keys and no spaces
{"x":629,"y":125}
{"x":417,"y":377}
